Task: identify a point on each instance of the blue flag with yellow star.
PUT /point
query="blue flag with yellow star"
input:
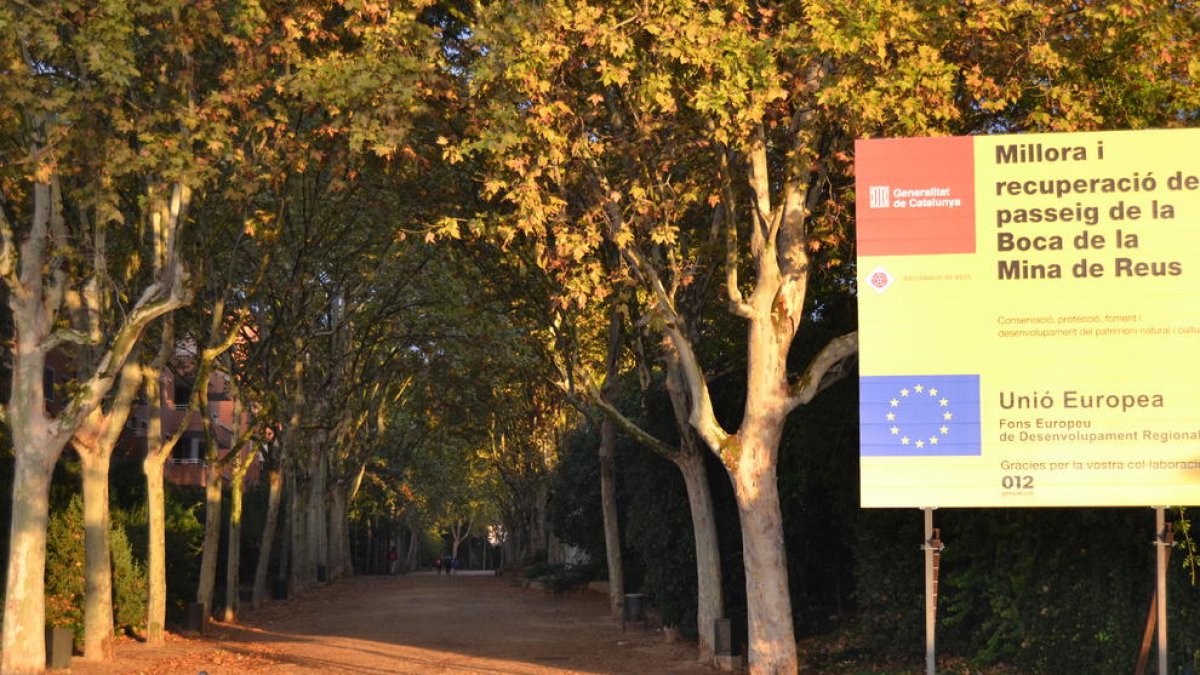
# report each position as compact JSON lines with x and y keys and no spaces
{"x":919,"y":415}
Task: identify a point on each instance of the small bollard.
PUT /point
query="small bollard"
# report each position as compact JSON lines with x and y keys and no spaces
{"x":196,"y":617}
{"x":60,"y":643}
{"x":634,"y":609}
{"x":723,"y":637}
{"x":723,"y":645}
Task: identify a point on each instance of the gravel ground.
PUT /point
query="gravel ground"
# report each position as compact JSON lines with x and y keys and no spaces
{"x":420,"y":623}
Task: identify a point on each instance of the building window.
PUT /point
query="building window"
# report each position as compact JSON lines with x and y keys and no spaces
{"x":183,"y":393}
{"x":189,"y":449}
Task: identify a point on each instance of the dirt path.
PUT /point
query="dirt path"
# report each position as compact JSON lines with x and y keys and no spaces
{"x":421,"y":624}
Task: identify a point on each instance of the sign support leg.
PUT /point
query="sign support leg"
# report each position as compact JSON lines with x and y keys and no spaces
{"x":1163,"y":539}
{"x":932,"y":545}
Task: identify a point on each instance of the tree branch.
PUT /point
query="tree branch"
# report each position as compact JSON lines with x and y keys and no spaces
{"x":65,"y":336}
{"x":637,"y":433}
{"x":727,"y":212}
{"x":8,"y":251}
{"x":829,"y":366}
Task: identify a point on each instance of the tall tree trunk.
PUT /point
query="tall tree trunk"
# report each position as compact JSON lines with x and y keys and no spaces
{"x":710,"y":604}
{"x":25,"y":601}
{"x":95,"y":440}
{"x":754,"y":460}
{"x":612,"y":531}
{"x":156,"y":565}
{"x":542,"y":521}
{"x":315,"y":524}
{"x":413,"y":559}
{"x":263,"y":564}
{"x":347,"y":563}
{"x":37,"y":280}
{"x":299,"y":573}
{"x":98,"y":607}
{"x":768,"y":600}
{"x":152,"y":467}
{"x":206,"y":587}
{"x":338,"y":537}
{"x":158,"y":450}
{"x":608,"y":446}
{"x":341,"y":494}
{"x":234,"y":554}
{"x":286,"y":552}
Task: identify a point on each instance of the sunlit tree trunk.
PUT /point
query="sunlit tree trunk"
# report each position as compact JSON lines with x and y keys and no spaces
{"x":233,"y":558}
{"x":94,"y":441}
{"x":158,"y":450}
{"x":156,"y":563}
{"x":206,"y":587}
{"x":37,"y":445}
{"x":710,"y":604}
{"x":25,"y":602}
{"x":98,"y":607}
{"x":37,"y":284}
{"x":768,"y":600}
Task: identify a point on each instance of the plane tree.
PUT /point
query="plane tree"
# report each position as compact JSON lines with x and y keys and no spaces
{"x":643,"y":126}
{"x":636,"y":126}
{"x":105,"y":133}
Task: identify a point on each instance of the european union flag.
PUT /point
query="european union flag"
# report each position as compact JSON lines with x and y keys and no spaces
{"x":919,"y":415}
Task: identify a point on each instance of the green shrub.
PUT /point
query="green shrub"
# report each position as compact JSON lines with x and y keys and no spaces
{"x":560,"y":578}
{"x":542,"y":569}
{"x":65,"y":573}
{"x":130,"y":587}
{"x":64,"y":567}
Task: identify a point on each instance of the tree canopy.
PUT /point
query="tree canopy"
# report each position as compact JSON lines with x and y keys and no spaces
{"x":423,"y":240}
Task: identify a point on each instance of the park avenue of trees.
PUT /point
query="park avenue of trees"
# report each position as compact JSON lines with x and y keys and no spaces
{"x":431,"y":245}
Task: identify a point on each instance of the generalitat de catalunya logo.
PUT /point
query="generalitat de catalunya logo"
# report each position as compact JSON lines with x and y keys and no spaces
{"x":880,"y":196}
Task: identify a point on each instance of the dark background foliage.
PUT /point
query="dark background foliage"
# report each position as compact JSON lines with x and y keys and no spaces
{"x":1037,"y":590}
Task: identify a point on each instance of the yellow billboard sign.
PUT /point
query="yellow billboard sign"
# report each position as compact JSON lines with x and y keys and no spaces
{"x":1029,"y":311}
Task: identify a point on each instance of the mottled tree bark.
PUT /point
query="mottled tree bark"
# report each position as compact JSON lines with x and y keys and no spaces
{"x":608,"y":482}
{"x":94,"y":441}
{"x":37,"y":279}
{"x":206,"y":586}
{"x":267,"y":540}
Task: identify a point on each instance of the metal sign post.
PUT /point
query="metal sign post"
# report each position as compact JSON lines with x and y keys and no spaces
{"x":1162,"y":545}
{"x":932,"y":545}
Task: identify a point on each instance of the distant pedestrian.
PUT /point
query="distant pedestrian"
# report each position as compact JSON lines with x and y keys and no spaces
{"x":437,"y":563}
{"x":448,"y":563}
{"x":393,"y":560}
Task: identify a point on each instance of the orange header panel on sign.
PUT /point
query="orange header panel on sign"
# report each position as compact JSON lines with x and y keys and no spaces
{"x":916,"y":196}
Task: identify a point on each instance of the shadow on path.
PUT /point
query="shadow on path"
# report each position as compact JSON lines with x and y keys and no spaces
{"x":419,"y":623}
